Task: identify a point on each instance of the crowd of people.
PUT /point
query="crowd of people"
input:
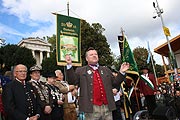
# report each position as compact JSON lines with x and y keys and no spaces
{"x":91,"y":92}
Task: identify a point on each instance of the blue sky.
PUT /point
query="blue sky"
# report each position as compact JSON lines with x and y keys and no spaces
{"x":13,"y":29}
{"x":33,"y":18}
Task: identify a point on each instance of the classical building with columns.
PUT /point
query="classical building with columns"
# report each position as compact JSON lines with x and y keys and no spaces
{"x":40,"y":48}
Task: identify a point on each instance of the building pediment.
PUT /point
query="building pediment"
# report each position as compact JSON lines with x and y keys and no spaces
{"x":32,"y":40}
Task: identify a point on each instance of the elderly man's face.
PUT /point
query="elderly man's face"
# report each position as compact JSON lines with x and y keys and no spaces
{"x":59,"y":75}
{"x":92,"y":57}
{"x":20,"y":72}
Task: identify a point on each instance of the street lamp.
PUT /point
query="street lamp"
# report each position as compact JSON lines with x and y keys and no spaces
{"x":166,"y":33}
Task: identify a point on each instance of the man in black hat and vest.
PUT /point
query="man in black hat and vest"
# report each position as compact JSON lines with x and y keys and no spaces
{"x":58,"y":98}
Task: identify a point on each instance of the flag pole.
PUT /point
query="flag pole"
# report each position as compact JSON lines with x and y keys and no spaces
{"x":137,"y":100}
{"x":153,"y":68}
{"x":151,"y":58}
{"x":65,"y":75}
{"x":68,"y":7}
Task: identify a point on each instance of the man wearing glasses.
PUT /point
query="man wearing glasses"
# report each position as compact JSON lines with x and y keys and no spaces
{"x":18,"y":97}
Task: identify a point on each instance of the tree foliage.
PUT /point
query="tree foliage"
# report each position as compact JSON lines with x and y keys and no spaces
{"x":141,"y":55}
{"x":91,"y":36}
{"x":12,"y":55}
{"x":52,"y":40}
{"x":50,"y":64}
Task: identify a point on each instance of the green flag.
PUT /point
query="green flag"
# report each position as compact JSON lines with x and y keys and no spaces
{"x":132,"y":73}
{"x":128,"y":56}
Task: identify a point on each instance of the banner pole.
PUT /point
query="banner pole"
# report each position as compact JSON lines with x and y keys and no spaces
{"x":154,"y":68}
{"x":68,"y":7}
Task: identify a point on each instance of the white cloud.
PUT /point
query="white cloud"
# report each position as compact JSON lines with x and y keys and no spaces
{"x":43,"y":32}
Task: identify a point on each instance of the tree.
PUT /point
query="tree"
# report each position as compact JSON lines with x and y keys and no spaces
{"x":12,"y":55}
{"x":141,"y":55}
{"x":52,"y":40}
{"x":50,"y":64}
{"x":91,"y":36}
{"x":24,"y":56}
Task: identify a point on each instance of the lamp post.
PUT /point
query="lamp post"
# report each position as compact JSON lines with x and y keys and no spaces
{"x":166,"y":33}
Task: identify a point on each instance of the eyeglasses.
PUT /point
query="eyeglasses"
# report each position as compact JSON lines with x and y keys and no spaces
{"x":22,"y":71}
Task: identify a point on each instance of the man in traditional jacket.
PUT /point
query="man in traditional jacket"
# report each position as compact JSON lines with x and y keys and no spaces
{"x":19,"y":99}
{"x":57,"y":109}
{"x":96,"y":83}
{"x":42,"y":92}
{"x":69,"y":92}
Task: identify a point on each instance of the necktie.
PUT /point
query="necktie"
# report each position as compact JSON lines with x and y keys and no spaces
{"x":23,"y":82}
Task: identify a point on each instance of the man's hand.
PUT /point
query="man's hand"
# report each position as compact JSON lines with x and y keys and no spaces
{"x":124,"y":67}
{"x":68,"y":59}
{"x":35,"y":117}
{"x":60,"y":102}
{"x":120,"y":93}
{"x":47,"y":109}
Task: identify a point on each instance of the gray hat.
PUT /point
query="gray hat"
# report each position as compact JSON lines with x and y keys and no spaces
{"x":35,"y":68}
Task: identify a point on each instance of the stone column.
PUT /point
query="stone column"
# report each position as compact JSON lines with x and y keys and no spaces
{"x":41,"y":57}
{"x":48,"y":55}
{"x":33,"y":53}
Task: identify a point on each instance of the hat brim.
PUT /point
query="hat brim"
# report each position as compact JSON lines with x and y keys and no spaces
{"x":34,"y":70}
{"x":144,"y":68}
{"x":51,"y":76}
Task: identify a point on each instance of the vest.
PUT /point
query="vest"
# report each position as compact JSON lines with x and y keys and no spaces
{"x":99,"y":94}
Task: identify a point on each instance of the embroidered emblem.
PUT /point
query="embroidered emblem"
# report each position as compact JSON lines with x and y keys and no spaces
{"x":89,"y":72}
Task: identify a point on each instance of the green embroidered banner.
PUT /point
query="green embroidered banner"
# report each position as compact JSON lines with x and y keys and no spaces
{"x":68,"y":39}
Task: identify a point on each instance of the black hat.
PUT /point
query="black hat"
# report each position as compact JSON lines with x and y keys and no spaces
{"x":159,"y":90}
{"x":144,"y":68}
{"x":50,"y":74}
{"x":35,"y":68}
